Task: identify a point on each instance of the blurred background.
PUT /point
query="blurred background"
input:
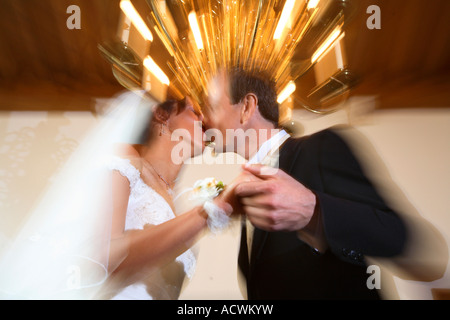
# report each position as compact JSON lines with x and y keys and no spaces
{"x":380,"y":66}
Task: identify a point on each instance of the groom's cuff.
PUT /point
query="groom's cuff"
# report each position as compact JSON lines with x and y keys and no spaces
{"x":313,"y":234}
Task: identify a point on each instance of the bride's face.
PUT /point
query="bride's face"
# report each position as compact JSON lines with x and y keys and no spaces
{"x":188,"y":124}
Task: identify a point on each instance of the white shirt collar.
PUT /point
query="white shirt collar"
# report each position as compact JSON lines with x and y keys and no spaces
{"x":274,"y":142}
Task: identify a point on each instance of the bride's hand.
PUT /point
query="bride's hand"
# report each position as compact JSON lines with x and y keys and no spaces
{"x":229,"y":196}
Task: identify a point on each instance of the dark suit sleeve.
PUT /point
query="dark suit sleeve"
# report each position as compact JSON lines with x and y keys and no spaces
{"x":357,"y":221}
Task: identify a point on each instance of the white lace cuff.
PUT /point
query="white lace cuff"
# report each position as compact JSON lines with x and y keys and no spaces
{"x":217,"y":218}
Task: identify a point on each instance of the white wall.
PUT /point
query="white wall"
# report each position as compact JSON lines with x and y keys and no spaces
{"x":33,"y":146}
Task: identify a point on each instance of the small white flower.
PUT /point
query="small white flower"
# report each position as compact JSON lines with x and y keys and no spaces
{"x":206,"y":189}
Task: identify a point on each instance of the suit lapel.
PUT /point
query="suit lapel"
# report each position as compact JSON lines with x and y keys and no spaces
{"x":288,"y":154}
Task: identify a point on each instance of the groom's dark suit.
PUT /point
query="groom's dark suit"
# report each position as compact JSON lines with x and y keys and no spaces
{"x":357,"y":222}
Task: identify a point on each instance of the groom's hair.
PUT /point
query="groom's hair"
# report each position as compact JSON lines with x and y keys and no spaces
{"x":259,"y":83}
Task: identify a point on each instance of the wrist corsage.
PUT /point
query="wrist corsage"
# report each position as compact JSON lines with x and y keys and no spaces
{"x":204,"y":191}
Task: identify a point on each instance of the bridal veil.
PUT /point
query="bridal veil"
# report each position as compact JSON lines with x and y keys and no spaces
{"x":62,"y":249}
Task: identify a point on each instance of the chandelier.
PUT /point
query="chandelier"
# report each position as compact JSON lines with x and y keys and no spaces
{"x":285,"y":38}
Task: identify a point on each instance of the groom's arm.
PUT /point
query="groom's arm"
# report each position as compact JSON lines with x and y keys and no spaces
{"x":346,"y":215}
{"x":353,"y":219}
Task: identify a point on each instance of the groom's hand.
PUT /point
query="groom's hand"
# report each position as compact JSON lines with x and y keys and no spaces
{"x":229,"y":195}
{"x":275,"y":202}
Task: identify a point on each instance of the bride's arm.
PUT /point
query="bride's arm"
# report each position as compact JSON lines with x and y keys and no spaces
{"x":154,"y":245}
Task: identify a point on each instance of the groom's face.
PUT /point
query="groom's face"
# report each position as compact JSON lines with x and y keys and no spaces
{"x":221,"y":114}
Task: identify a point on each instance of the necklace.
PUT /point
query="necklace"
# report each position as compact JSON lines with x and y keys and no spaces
{"x":169,"y":189}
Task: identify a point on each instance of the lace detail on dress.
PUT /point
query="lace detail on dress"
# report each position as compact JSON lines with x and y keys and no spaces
{"x":125,"y":168}
{"x":189,"y":262}
{"x":147,"y":207}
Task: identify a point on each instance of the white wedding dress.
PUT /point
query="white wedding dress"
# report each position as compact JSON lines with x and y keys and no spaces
{"x":147,"y":207}
{"x":61,"y":250}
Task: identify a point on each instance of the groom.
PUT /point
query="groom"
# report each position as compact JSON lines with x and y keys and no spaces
{"x":310,"y":225}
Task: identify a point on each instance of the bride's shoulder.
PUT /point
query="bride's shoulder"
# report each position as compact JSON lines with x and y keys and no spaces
{"x":129,"y":152}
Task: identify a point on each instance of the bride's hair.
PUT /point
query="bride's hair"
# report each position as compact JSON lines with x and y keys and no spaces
{"x":161,"y":113}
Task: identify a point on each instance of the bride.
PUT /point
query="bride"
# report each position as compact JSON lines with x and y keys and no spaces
{"x":112,"y":233}
{"x":157,"y":243}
